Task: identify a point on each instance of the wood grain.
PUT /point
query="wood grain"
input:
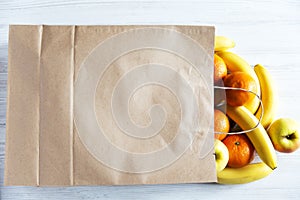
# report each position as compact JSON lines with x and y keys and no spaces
{"x":266,"y":32}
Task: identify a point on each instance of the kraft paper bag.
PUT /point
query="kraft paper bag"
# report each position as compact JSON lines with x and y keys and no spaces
{"x":109,"y":105}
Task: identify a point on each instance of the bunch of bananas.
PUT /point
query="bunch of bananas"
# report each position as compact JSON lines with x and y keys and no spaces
{"x":250,"y":115}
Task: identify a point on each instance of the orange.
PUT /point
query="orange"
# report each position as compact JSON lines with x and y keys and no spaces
{"x":241,"y":150}
{"x":220,"y":70}
{"x":239,"y":80}
{"x":221,"y":124}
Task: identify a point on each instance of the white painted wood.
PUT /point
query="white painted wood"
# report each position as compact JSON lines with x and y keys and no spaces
{"x":266,"y":32}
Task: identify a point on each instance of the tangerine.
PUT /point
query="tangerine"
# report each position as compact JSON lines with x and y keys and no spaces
{"x":221,"y":124}
{"x":220,"y":69}
{"x":239,"y":80}
{"x":241,"y":150}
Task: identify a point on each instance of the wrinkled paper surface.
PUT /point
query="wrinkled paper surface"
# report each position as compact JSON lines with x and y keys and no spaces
{"x":110,"y":105}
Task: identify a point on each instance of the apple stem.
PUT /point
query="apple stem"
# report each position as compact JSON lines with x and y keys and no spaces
{"x":290,"y":136}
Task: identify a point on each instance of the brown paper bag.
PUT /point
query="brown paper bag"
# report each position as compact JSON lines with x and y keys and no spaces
{"x":109,"y":105}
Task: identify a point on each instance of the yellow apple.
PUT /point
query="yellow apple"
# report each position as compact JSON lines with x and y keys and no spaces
{"x":221,"y":155}
{"x":285,"y":135}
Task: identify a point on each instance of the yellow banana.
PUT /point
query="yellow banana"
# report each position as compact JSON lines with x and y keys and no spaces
{"x":269,"y":95}
{"x":259,"y":137}
{"x":247,"y":174}
{"x":223,"y":43}
{"x":236,"y":63}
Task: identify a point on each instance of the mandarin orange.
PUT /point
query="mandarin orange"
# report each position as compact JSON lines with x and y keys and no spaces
{"x":241,"y":150}
{"x":220,"y":70}
{"x":239,"y":80}
{"x":221,"y":124}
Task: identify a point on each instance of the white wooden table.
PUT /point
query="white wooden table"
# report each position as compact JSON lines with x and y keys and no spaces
{"x":266,"y":32}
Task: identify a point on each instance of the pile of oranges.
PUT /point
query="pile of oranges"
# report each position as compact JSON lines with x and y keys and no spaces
{"x":241,"y":150}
